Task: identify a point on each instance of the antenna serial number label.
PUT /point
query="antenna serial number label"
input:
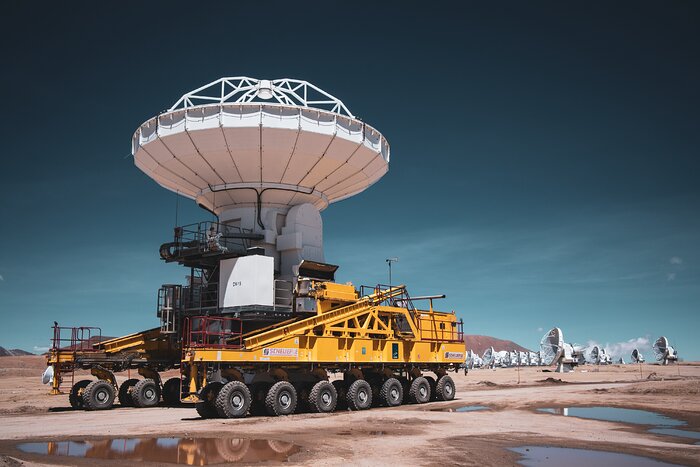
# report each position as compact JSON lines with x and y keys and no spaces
{"x":282,"y":352}
{"x":454,"y":355}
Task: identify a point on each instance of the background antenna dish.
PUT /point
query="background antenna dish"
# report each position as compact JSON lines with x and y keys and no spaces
{"x":551,"y":345}
{"x":637,"y":357}
{"x":556,"y":352}
{"x":663,"y":352}
{"x":488,"y":357}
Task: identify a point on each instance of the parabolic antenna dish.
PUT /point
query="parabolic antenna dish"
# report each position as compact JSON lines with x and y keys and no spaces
{"x":552,"y":345}
{"x":488,"y":356}
{"x":637,"y":357}
{"x":663,"y":351}
{"x":660,"y":347}
{"x":241,"y":142}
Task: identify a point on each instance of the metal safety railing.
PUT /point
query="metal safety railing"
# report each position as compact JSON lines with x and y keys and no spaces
{"x":75,"y":338}
{"x":431,"y":329}
{"x":207,"y":238}
{"x":216,"y":332}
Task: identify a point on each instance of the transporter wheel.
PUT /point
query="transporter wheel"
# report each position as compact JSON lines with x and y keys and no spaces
{"x":281,"y":399}
{"x":419,"y":392}
{"x":205,"y":407}
{"x":98,"y":395}
{"x":391,"y":393}
{"x":76,"y":393}
{"x":145,"y":393}
{"x":341,"y":389}
{"x":171,"y":392}
{"x":433,"y":385}
{"x":233,"y":400}
{"x":445,"y":389}
{"x":359,"y":395}
{"x":125,"y":389}
{"x":323,"y":397}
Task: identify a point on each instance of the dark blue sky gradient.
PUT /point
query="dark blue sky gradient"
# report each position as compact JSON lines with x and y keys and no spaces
{"x":544,"y":162}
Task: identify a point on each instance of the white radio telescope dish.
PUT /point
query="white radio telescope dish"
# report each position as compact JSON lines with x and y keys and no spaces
{"x":488,"y":357}
{"x":664,"y":352}
{"x":265,"y":156}
{"x":556,"y":352}
{"x":637,"y":357}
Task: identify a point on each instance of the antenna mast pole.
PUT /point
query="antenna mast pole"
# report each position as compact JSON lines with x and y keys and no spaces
{"x":389,"y":261}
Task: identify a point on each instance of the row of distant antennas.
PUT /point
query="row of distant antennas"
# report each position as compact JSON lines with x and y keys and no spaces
{"x":503,"y":359}
{"x":555,"y":352}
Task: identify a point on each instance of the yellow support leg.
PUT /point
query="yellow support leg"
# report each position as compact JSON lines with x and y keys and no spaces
{"x":55,"y":382}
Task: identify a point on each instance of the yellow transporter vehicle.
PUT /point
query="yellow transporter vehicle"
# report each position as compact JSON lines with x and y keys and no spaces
{"x":380,"y":344}
{"x":82,"y":348}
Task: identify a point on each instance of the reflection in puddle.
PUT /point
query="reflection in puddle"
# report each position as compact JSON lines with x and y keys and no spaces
{"x":616,"y":414}
{"x":189,"y":451}
{"x":466,"y":408}
{"x":662,"y":425}
{"x":551,"y":456}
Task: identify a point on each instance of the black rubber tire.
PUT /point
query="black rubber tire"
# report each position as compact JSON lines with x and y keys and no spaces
{"x":233,"y":400}
{"x":359,"y":395}
{"x":207,"y":395}
{"x":124,"y":394}
{"x":281,"y":399}
{"x":391,"y":394}
{"x":98,"y":395}
{"x":145,"y":393}
{"x":75,"y":397}
{"x":171,"y":392}
{"x":341,"y":389}
{"x":323,"y":397}
{"x":445,"y":389}
{"x":419,"y":392}
{"x":433,"y":385}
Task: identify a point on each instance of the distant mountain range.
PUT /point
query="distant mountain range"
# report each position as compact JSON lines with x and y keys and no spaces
{"x":13,"y":352}
{"x":479,"y":344}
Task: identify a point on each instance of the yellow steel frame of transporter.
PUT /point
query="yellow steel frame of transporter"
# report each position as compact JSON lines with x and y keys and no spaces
{"x":348,"y":332}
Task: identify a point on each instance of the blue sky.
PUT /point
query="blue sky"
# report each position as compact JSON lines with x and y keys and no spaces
{"x":544,"y":162}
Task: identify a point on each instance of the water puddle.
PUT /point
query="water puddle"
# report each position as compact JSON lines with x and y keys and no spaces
{"x":616,"y":414}
{"x":661,"y":424}
{"x":675,"y":432}
{"x":552,"y":456}
{"x":466,"y":408}
{"x":188,"y":451}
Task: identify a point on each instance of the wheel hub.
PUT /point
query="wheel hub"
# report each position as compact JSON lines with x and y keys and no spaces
{"x":285,"y":400}
{"x":423,"y":391}
{"x":394,"y":393}
{"x":326,"y":398}
{"x":237,"y":401}
{"x":150,"y":394}
{"x":362,"y":396}
{"x":101,"y":396}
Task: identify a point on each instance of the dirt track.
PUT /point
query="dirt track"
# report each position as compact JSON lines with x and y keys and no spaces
{"x":404,"y":435}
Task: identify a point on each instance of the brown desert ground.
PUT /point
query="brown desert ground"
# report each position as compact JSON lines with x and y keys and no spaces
{"x":425,"y":434}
